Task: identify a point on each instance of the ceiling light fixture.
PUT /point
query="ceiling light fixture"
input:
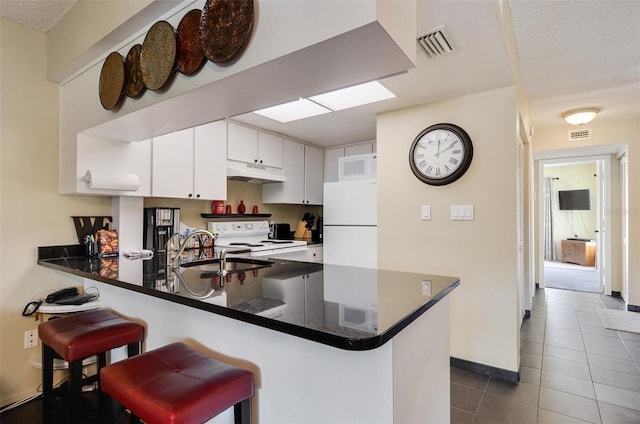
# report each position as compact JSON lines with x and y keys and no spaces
{"x":344,"y":98}
{"x":580,"y":116}
{"x":292,"y":111}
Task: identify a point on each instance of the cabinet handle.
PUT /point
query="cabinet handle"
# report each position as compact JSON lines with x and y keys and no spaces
{"x":255,"y":161}
{"x":190,"y":195}
{"x":260,"y":160}
{"x":198,"y":196}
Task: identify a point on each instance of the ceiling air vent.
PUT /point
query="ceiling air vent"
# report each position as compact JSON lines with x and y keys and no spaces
{"x":436,"y":42}
{"x":583,"y":134}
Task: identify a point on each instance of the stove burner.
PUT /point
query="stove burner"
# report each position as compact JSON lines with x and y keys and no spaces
{"x":277,"y":241}
{"x":238,"y":244}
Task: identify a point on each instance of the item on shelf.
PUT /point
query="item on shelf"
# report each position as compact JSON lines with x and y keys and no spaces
{"x":229,"y":211}
{"x":241,"y":207}
{"x":255,"y":209}
{"x":217,"y":206}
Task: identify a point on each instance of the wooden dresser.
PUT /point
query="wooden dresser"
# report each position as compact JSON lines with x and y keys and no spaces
{"x":579,"y":252}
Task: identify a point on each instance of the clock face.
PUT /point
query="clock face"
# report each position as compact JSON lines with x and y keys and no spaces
{"x":440,"y":154}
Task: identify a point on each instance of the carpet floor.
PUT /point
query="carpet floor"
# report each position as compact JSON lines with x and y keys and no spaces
{"x":559,"y":275}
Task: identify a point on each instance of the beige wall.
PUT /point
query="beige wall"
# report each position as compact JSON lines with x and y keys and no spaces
{"x":484,"y":309}
{"x":32,"y":212}
{"x":623,"y":131}
{"x":251,"y":194}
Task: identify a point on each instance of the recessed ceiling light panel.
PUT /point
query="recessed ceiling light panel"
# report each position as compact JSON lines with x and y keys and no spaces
{"x":298,"y":109}
{"x":356,"y":95}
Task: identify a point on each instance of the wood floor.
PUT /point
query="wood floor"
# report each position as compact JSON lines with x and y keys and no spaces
{"x":31,"y":412}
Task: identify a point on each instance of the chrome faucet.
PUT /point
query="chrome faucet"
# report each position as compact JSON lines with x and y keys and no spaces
{"x":223,"y":262}
{"x":172,"y":260}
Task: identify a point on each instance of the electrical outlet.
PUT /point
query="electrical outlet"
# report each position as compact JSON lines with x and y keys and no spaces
{"x":30,"y":339}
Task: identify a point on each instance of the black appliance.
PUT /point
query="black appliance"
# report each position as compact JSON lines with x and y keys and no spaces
{"x":316,"y":235}
{"x":159,"y":225}
{"x":280,"y":232}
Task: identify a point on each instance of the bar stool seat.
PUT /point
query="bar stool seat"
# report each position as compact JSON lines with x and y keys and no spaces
{"x":176,"y":384}
{"x":77,"y":337}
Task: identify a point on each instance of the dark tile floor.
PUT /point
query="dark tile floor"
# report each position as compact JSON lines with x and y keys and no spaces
{"x":572,"y":369}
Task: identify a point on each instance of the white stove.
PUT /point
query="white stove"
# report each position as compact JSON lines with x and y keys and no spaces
{"x":254,"y":236}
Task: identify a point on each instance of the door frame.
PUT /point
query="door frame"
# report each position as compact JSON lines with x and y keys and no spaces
{"x":578,"y":154}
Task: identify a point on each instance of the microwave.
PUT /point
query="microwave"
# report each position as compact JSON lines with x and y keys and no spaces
{"x":360,"y":319}
{"x":357,"y":167}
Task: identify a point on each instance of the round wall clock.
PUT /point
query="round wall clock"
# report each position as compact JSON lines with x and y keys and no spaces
{"x":440,"y":154}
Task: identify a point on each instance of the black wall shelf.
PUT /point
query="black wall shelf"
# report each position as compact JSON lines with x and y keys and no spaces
{"x":235,"y":215}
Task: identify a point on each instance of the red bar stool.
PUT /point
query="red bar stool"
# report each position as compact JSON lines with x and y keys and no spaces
{"x":77,"y":337}
{"x":176,"y":384}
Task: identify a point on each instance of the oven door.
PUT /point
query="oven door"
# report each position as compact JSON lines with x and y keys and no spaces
{"x":298,"y":253}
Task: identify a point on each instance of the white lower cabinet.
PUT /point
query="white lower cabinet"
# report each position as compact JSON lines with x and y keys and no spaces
{"x":191,"y":163}
{"x":303,"y":168}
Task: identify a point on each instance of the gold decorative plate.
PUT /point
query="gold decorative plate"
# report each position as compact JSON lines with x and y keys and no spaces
{"x":111,"y":80}
{"x":133,"y":85}
{"x":158,"y":55}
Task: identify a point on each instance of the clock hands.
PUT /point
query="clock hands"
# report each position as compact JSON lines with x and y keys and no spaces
{"x":450,"y":147}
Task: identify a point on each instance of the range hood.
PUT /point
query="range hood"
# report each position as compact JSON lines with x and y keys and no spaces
{"x":239,"y":171}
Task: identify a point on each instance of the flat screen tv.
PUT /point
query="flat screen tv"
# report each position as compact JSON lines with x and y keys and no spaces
{"x":574,"y":200}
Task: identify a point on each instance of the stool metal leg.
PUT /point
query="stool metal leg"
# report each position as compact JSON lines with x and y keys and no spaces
{"x":47,"y":383}
{"x":242,"y":412}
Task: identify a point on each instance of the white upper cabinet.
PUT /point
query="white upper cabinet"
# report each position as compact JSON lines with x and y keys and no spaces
{"x":331,"y":157}
{"x":191,"y":163}
{"x":249,"y":145}
{"x":210,"y":161}
{"x":303,"y":166}
{"x":313,"y":175}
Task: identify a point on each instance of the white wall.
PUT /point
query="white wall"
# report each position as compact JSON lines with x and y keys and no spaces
{"x":484,"y":309}
{"x":31,"y":212}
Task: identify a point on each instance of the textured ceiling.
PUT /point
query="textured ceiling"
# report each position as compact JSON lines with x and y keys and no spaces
{"x":41,"y":15}
{"x":579,"y":53}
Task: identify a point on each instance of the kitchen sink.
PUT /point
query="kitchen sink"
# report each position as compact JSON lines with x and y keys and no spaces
{"x":233,"y":264}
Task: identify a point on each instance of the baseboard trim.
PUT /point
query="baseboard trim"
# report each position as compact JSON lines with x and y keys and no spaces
{"x":633,"y":308}
{"x":497,"y":373}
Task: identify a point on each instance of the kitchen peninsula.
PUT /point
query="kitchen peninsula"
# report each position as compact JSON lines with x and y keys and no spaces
{"x":326,"y":343}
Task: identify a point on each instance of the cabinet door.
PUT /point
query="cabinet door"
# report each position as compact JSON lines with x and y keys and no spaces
{"x":313,"y":175}
{"x":242,"y":143}
{"x":209,"y":162}
{"x":292,"y":190}
{"x":172,"y":165}
{"x":270,"y":150}
{"x":358,"y":149}
{"x":331,"y":157}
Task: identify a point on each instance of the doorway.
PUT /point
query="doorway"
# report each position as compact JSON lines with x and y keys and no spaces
{"x":571,"y":204}
{"x":575,"y":240}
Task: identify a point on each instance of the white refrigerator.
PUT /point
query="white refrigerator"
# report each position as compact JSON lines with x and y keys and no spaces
{"x":350,"y":219}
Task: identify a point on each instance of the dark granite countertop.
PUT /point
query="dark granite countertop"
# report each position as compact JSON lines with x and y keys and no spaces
{"x":345,"y":307}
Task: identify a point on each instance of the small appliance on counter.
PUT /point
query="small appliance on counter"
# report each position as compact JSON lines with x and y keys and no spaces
{"x":159,"y":225}
{"x":280,"y":231}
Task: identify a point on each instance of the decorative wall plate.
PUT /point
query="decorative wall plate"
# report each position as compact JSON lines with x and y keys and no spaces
{"x":225,"y":27}
{"x":158,"y":56}
{"x":111,"y":80}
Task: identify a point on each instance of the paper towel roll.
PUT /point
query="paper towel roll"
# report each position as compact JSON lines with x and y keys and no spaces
{"x":104,"y":181}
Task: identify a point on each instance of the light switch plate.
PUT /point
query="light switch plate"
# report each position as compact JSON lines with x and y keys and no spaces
{"x":426,"y":212}
{"x":462,"y":213}
{"x":426,"y":287}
